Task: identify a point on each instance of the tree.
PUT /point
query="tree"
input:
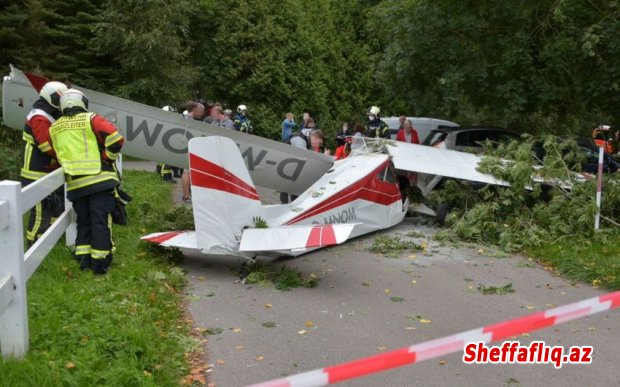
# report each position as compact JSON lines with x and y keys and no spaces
{"x":534,"y":66}
{"x":148,"y":44}
{"x":295,"y":55}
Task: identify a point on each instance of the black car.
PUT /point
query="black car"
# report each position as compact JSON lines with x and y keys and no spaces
{"x":590,"y":151}
{"x":467,"y":138}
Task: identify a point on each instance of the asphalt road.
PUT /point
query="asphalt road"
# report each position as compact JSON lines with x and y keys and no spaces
{"x":365,"y":304}
{"x":354,"y":314}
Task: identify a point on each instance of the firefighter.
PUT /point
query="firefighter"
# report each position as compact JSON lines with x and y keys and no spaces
{"x":165,"y":171}
{"x":86,"y":146}
{"x":39,"y":158}
{"x":376,"y":127}
{"x":242,"y":122}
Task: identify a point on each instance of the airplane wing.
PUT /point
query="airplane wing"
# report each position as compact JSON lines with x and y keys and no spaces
{"x":294,"y":240}
{"x":153,"y":134}
{"x":439,"y":162}
{"x":180,"y":239}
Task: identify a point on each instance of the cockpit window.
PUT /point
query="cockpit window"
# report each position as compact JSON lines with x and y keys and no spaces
{"x":387,"y":175}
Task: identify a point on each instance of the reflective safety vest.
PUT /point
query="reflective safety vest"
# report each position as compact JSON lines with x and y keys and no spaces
{"x":76,"y":145}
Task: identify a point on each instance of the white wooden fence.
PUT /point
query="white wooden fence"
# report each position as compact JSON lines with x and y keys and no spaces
{"x":15,"y":266}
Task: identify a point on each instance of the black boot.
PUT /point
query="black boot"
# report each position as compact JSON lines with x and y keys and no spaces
{"x":85,"y":261}
{"x":99,"y":266}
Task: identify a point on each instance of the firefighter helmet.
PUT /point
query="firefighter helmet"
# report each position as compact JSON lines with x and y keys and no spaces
{"x":73,"y":98}
{"x":374,"y":110}
{"x":242,"y":109}
{"x":52,"y":91}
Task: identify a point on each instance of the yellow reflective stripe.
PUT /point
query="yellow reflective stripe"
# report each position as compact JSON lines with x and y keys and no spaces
{"x":99,"y":254}
{"x":110,"y":228}
{"x":82,"y":250}
{"x":32,"y":175}
{"x":89,"y":180}
{"x":111,"y":139}
{"x":27,"y":156}
{"x":32,"y":234}
{"x":28,"y":138}
{"x":111,"y":155}
{"x":45,"y":146}
{"x":82,"y":167}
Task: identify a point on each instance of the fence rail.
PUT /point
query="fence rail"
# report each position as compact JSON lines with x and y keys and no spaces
{"x":15,"y":266}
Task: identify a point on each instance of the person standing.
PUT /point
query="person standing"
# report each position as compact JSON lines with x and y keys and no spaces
{"x":40,"y":159}
{"x":87,"y":146}
{"x":288,"y":125}
{"x":195,"y":111}
{"x":342,"y":134}
{"x":305,"y":118}
{"x":165,"y":171}
{"x":376,"y":127}
{"x":408,"y":133}
{"x":242,"y":122}
{"x":401,"y":122}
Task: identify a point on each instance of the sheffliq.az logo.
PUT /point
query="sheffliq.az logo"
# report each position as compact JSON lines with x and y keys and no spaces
{"x":512,"y":352}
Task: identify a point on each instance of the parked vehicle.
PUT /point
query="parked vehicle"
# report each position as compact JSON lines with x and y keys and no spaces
{"x":467,"y":138}
{"x":422,"y":125}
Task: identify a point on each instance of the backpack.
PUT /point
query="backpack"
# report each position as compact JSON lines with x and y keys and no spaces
{"x":298,"y":134}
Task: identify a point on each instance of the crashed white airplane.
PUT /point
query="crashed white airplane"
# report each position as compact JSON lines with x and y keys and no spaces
{"x":338,"y":200}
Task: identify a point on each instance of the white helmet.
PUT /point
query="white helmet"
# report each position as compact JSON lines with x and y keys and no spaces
{"x":169,"y":108}
{"x":374,"y":110}
{"x":73,"y":98}
{"x":228,"y":112}
{"x":242,"y":108}
{"x":52,"y":91}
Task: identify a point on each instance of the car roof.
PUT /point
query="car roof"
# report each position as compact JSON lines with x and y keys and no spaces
{"x":466,"y":128}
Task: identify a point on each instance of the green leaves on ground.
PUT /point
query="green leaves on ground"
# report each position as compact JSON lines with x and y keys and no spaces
{"x":284,"y":278}
{"x":496,"y":290}
{"x":392,"y":246}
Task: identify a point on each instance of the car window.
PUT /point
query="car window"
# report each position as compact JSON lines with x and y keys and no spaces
{"x":436,"y":136}
{"x":463,"y":139}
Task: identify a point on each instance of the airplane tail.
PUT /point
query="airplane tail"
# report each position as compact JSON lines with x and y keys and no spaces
{"x":224,"y":198}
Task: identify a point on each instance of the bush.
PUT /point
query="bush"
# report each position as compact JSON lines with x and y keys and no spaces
{"x":11,"y":148}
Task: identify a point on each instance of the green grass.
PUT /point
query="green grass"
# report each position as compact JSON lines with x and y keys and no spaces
{"x":122,"y":329}
{"x":597,"y":263}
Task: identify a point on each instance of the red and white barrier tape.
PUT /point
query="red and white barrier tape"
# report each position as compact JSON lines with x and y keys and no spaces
{"x":446,"y":345}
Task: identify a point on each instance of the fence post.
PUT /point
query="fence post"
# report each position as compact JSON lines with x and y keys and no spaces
{"x":71,"y":231}
{"x":14,"y":319}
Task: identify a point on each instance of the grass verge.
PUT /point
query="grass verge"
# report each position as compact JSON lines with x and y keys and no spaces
{"x":597,"y":263}
{"x":123,"y":329}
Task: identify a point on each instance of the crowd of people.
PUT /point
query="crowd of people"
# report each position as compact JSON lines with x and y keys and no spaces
{"x":305,"y":134}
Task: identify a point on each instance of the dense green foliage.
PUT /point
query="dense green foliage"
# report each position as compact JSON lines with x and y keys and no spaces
{"x":11,"y":149}
{"x":535,"y":66}
{"x":551,"y":218}
{"x":547,"y":66}
{"x":124,"y":329}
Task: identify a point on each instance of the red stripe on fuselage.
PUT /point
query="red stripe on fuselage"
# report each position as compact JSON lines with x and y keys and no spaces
{"x":210,"y":175}
{"x":362,"y":189}
{"x":37,"y":81}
